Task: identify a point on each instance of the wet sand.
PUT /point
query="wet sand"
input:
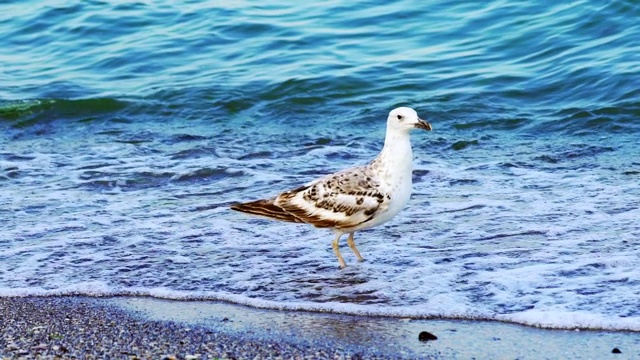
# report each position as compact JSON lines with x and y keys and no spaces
{"x":146,"y":328}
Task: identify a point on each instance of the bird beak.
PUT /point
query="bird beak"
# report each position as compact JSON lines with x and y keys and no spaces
{"x":423,"y":125}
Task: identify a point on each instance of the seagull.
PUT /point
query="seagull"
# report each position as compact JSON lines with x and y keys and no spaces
{"x":356,"y":198}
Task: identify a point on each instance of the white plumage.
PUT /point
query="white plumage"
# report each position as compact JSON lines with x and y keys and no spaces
{"x":356,"y":198}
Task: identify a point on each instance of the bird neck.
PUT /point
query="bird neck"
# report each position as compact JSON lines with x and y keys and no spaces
{"x":396,"y":152}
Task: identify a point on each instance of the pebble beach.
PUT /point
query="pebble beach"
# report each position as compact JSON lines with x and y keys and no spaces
{"x":68,"y":328}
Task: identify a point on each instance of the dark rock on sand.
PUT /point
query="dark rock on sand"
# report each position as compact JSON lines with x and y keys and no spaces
{"x":426,"y":336}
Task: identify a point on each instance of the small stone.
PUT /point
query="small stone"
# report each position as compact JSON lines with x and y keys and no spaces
{"x":55,"y":336}
{"x":426,"y":336}
{"x":616,"y":351}
{"x":39,"y":347}
{"x":23,"y":352}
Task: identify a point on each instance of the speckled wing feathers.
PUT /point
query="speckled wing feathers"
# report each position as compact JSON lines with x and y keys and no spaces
{"x":342,"y":200}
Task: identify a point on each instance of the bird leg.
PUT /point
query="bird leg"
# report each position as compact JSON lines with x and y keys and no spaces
{"x":336,"y":249}
{"x":353,"y":247}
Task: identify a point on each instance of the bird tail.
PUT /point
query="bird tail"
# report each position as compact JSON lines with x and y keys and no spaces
{"x":265,"y":208}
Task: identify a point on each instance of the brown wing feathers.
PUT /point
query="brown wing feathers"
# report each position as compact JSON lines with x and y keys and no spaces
{"x":304,"y":215}
{"x":266,"y":208}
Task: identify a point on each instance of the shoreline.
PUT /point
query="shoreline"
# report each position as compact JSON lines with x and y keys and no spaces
{"x":150,"y":328}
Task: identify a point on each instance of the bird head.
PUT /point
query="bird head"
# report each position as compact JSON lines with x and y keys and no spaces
{"x":405,"y":119}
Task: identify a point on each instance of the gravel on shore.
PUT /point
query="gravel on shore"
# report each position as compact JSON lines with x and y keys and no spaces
{"x":73,"y":328}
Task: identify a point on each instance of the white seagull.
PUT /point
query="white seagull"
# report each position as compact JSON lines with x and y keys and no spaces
{"x":356,"y":198}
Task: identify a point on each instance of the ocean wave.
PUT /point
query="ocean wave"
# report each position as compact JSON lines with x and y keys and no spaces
{"x":26,"y":113}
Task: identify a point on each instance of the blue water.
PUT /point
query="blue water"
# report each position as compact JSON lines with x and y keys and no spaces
{"x":127,"y":129}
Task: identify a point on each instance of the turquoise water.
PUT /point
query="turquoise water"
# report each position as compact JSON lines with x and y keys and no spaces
{"x":126,"y":130}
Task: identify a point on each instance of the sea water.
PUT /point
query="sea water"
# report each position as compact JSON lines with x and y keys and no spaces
{"x":128,"y":128}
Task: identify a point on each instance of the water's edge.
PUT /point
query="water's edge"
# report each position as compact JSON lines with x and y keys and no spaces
{"x":173,"y":309}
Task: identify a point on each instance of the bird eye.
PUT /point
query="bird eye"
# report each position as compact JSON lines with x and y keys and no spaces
{"x":400,"y":117}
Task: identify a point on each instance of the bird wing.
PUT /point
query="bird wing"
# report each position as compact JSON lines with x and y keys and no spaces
{"x":341,"y":200}
{"x":265,"y":208}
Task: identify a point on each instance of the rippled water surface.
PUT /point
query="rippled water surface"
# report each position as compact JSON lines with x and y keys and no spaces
{"x":126,"y":130}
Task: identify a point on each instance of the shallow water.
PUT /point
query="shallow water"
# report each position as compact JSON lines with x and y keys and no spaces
{"x":128,"y":129}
